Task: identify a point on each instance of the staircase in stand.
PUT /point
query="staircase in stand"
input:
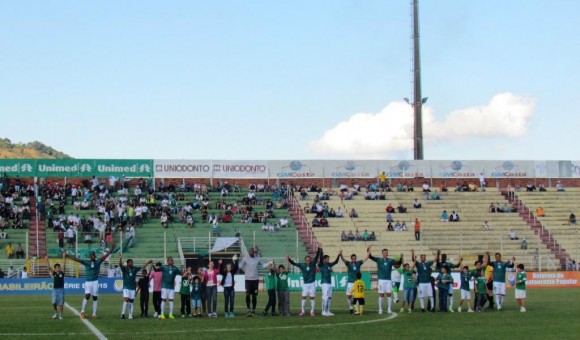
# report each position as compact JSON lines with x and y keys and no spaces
{"x":533,"y":223}
{"x":298,"y":218}
{"x":36,"y":233}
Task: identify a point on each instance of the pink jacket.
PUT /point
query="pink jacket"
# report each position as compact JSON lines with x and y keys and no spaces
{"x":213,"y":277}
{"x":156,"y":277}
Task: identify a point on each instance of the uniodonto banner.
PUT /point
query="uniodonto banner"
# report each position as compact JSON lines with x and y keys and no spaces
{"x":182,"y":168}
{"x":338,"y":281}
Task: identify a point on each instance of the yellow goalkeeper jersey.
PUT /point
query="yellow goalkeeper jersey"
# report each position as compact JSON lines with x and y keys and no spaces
{"x":358,"y":289}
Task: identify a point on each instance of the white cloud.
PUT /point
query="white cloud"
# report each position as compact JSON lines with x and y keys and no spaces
{"x":374,"y":135}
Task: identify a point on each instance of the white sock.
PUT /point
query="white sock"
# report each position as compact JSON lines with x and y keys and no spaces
{"x":349,"y":303}
{"x":389,"y":302}
{"x":312,"y":304}
{"x":432,"y":302}
{"x":303,"y":304}
{"x":328,"y":305}
{"x":422,"y":303}
{"x":124,"y":308}
{"x":381,"y":302}
{"x":162,"y":308}
{"x":131,"y":308}
{"x":95,"y":307}
{"x":451,"y":302}
{"x":84,"y":305}
{"x":324,"y":304}
{"x":170,"y":307}
{"x":496,"y":297}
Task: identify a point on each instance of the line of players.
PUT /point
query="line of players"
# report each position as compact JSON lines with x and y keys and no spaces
{"x":415,"y":278}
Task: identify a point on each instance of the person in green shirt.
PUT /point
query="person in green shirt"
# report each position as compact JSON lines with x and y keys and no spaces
{"x":499,"y":270}
{"x":424,"y":279}
{"x":443,"y":282}
{"x":465,"y":277}
{"x":439,"y":265}
{"x":384,"y":269}
{"x":283,"y":292}
{"x":92,"y":269}
{"x":308,"y":269}
{"x":195,"y":291}
{"x":184,"y":293}
{"x":325,"y":268}
{"x":129,"y":285}
{"x":353,"y":267}
{"x":409,"y":284}
{"x":270,"y":284}
{"x":480,"y":289}
{"x":521,"y":278}
{"x":168,"y":274}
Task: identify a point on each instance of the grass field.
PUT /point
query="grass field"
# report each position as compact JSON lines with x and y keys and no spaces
{"x":552,"y":314}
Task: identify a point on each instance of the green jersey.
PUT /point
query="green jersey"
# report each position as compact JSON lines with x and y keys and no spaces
{"x":384,"y":267}
{"x":443,"y":278}
{"x":424,"y":271}
{"x":195,"y":290}
{"x":465,"y":278}
{"x":184,"y":290}
{"x":308,"y":270}
{"x":449,"y":265}
{"x":92,"y":268}
{"x":129,"y":275}
{"x":326,"y":271}
{"x":282,"y":282}
{"x":480,"y":284}
{"x":521,"y":279}
{"x":408,"y":280}
{"x":271,"y":281}
{"x":168,"y":276}
{"x":499,"y":268}
{"x":353,"y":269}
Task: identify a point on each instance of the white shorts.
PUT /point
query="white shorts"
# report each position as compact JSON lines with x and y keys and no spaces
{"x":92,"y":287}
{"x":385,"y":286}
{"x":167,"y":293}
{"x":499,"y":288}
{"x":326,"y":291}
{"x":349,"y":288}
{"x":465,"y":294}
{"x":129,"y":294}
{"x":520,"y":293}
{"x":309,"y":289}
{"x":425,"y":290}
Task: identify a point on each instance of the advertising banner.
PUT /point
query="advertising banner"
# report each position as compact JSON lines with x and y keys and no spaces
{"x":21,"y":167}
{"x":404,"y":169}
{"x":123,"y":167}
{"x":574,"y":169}
{"x":350,"y":169}
{"x":44,"y":286}
{"x":552,"y":279}
{"x":508,"y":169}
{"x":240,"y":169}
{"x":296,"y":169}
{"x":338,"y":280}
{"x":456,"y":169}
{"x":182,"y":168}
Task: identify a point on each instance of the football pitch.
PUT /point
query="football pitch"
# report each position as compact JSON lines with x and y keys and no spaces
{"x":552,"y":314}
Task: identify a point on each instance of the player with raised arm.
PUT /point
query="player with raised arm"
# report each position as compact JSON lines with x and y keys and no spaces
{"x":92,"y":269}
{"x":499,"y":269}
{"x":353,"y":266}
{"x":168,"y":274}
{"x":129,"y":284}
{"x":444,"y":263}
{"x":325,"y":268}
{"x":424,"y":279}
{"x":384,"y":269}
{"x":308,"y":269}
{"x":249,"y":264}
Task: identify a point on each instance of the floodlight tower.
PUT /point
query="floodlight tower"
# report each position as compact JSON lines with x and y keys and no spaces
{"x":418,"y":101}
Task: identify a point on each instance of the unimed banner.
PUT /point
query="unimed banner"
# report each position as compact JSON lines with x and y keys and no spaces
{"x":553,"y":279}
{"x":182,"y":168}
{"x":240,"y":169}
{"x":44,"y":286}
{"x":338,"y":280}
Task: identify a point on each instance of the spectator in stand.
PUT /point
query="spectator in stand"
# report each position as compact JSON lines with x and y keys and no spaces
{"x":559,"y":186}
{"x":390,"y":208}
{"x":417,"y":204}
{"x":482,"y":181}
{"x":343,"y":236}
{"x":542,"y":188}
{"x":454,"y":217}
{"x":20,"y":252}
{"x":435,"y":195}
{"x":443,"y":187}
{"x":524,"y":244}
{"x":365,"y":235}
{"x":353,"y":213}
{"x":9,"y":250}
{"x":331,"y":213}
{"x":389,"y":217}
{"x":444,"y":216}
{"x":417,"y":229}
{"x":540,"y":212}
{"x":398,"y":226}
{"x":390,"y":227}
{"x":283,"y":222}
{"x":486,"y":226}
{"x":350,"y":236}
{"x":372,"y":237}
{"x":401,"y":209}
{"x":513,"y":236}
{"x":339,"y":212}
{"x":323,"y":223}
{"x":404,"y":226}
{"x":530,"y":187}
{"x":572,"y":219}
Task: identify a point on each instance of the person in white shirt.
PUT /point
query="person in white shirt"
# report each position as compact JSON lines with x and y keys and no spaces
{"x":24,"y":273}
{"x":137,"y":191}
{"x":513,"y":235}
{"x":486,"y":226}
{"x":283,"y":222}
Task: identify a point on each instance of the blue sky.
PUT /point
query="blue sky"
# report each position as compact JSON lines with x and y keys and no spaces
{"x":289,"y":80}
